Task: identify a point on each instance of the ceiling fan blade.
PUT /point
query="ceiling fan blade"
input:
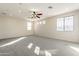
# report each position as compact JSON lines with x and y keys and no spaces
{"x":39,"y":14}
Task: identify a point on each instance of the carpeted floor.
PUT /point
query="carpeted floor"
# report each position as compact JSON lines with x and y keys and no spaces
{"x":37,"y":46}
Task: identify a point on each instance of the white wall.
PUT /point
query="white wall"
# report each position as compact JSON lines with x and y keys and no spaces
{"x":49,"y":29}
{"x":13,"y":27}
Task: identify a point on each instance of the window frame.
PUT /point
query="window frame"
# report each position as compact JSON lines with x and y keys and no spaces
{"x":29,"y":26}
{"x":72,"y":24}
{"x":64,"y":25}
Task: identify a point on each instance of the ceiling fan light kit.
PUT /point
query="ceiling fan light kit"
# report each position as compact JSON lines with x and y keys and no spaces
{"x":35,"y":16}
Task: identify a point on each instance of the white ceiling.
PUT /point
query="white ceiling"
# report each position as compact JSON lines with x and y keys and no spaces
{"x":23,"y":9}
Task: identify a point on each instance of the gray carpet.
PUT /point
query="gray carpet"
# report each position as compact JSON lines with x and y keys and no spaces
{"x":37,"y":46}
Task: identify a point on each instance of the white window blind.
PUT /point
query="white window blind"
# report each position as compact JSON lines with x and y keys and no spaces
{"x":65,"y":24}
{"x":69,"y":23}
{"x":29,"y":25}
{"x":60,"y":24}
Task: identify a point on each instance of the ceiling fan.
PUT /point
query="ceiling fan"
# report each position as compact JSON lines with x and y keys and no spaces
{"x":36,"y":14}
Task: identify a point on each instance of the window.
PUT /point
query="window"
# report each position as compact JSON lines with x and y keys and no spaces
{"x":60,"y":24}
{"x":40,"y":22}
{"x":69,"y":23}
{"x":37,"y":50}
{"x":65,"y":24}
{"x":29,"y":25}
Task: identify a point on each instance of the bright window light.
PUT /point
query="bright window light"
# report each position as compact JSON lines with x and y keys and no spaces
{"x":10,"y":43}
{"x":65,"y":24}
{"x":29,"y":26}
{"x":74,"y":48}
{"x":60,"y":24}
{"x":69,"y":23}
{"x":30,"y":45}
{"x":47,"y":53}
{"x":37,"y":50}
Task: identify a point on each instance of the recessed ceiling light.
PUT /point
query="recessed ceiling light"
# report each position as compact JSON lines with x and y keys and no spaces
{"x":50,"y":7}
{"x":20,"y":3}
